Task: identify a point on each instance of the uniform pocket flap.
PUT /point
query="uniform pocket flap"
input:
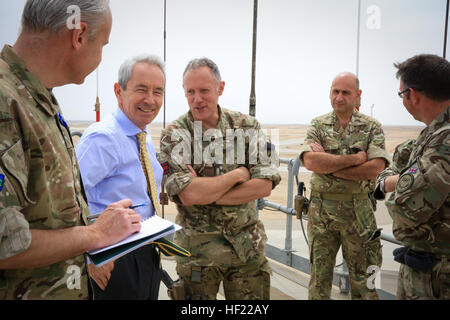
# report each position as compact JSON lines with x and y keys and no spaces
{"x":13,"y":161}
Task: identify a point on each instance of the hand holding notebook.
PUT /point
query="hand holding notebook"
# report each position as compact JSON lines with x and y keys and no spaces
{"x":153,"y":228}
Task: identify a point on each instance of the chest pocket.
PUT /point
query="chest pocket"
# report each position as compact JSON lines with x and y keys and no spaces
{"x":359,"y":139}
{"x":332,"y":144}
{"x":14,"y":162}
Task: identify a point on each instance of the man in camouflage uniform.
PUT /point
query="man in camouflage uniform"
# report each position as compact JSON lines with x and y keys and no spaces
{"x":215,"y":196}
{"x":419,"y":203}
{"x":42,"y":202}
{"x":345,"y":150}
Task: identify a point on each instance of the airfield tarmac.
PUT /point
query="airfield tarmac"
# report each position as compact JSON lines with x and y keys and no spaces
{"x":286,"y":282}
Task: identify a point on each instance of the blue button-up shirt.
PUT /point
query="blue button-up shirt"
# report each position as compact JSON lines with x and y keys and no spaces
{"x":108,"y":156}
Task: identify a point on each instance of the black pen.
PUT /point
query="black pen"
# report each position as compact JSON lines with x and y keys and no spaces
{"x":95,"y":216}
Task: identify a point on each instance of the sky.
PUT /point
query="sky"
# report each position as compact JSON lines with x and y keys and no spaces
{"x":301,"y":46}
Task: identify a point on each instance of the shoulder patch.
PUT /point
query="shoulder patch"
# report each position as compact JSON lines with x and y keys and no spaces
{"x":413,"y":170}
{"x":405,"y":182}
{"x":2,"y":181}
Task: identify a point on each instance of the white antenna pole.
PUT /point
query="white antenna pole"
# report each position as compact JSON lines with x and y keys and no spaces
{"x":358,"y":37}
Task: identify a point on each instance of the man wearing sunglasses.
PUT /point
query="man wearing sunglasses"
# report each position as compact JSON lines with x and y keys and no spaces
{"x":419,"y":203}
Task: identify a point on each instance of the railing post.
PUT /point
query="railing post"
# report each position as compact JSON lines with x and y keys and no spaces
{"x":290,"y":204}
{"x":343,"y":279}
{"x":286,"y":255}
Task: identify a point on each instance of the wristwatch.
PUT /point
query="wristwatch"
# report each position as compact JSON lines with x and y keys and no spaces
{"x":382,"y":186}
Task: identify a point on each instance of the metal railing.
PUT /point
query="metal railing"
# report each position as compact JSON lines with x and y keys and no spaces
{"x":287,"y":255}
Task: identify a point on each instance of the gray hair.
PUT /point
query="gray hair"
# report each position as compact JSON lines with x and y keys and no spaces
{"x":40,"y":15}
{"x":126,"y":68}
{"x":204,"y":62}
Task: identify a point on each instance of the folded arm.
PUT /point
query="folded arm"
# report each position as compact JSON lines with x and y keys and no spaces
{"x":206,"y":190}
{"x":325,"y":163}
{"x":367,"y":171}
{"x":246,"y":192}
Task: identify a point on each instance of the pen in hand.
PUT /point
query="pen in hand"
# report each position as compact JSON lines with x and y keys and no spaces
{"x":95,"y":216}
{"x":138,"y":206}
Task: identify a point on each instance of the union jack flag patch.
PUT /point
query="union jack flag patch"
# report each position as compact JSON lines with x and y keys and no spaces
{"x":413,"y":170}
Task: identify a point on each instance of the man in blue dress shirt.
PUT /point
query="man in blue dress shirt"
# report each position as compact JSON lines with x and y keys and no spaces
{"x":108,"y":155}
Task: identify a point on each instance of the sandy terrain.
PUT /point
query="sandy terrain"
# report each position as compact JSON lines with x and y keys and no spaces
{"x":290,"y":138}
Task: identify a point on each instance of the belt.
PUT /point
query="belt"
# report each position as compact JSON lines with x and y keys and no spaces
{"x":339,"y":196}
{"x":419,"y":260}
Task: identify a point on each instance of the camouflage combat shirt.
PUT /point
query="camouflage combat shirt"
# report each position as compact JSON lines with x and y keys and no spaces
{"x":40,"y":184}
{"x":215,"y":235}
{"x":420,"y":204}
{"x":363,"y":133}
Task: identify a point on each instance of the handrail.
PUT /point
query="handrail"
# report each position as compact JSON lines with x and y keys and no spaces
{"x":262,"y":203}
{"x":287,"y":255}
{"x":293,"y":168}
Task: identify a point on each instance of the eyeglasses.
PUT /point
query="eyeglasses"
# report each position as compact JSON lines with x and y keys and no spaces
{"x":400,"y":93}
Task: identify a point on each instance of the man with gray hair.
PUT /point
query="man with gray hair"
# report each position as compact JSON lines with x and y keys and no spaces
{"x":109,"y":153}
{"x":43,"y":209}
{"x":215,"y":200}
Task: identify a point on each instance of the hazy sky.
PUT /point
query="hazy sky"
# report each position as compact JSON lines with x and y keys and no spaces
{"x":302,"y":45}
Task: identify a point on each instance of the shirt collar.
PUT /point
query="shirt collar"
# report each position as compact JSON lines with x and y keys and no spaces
{"x":440,"y":120}
{"x":33,"y":85}
{"x":128,"y":127}
{"x":355,"y":119}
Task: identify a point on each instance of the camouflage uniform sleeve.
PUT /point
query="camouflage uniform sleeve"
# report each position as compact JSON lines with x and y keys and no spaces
{"x":401,"y":155}
{"x":312,"y":135}
{"x":175,"y":149}
{"x":15,"y":235}
{"x":377,"y":147}
{"x":265,"y":168}
{"x":424,"y":186}
{"x":399,"y":162}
